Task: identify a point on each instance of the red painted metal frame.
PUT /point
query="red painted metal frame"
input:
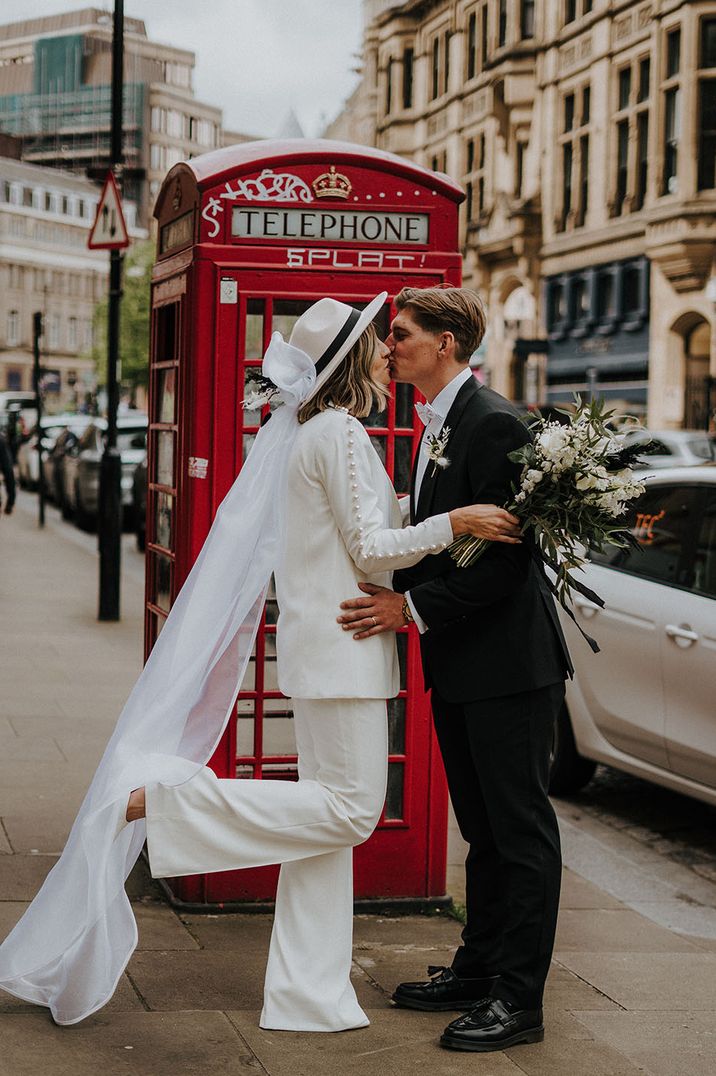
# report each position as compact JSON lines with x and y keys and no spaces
{"x":406,"y":856}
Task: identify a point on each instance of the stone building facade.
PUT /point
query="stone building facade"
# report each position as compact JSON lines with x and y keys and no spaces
{"x":45,"y":218}
{"x":584,"y":135}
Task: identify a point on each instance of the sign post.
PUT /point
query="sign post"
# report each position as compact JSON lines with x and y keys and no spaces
{"x":109,"y":232}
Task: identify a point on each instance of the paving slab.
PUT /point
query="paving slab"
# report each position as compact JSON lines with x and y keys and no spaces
{"x":618,"y":930}
{"x":397,"y":1042}
{"x":565,"y":990}
{"x":22,"y":875}
{"x":567,"y":1051}
{"x":124,"y":999}
{"x":127,"y":1044}
{"x":661,"y":1043}
{"x":230,"y":933}
{"x":160,"y":928}
{"x":206,"y":979}
{"x":655,"y":981}
{"x":577,"y":892}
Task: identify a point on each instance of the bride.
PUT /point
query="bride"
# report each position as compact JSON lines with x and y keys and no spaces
{"x":313,"y":505}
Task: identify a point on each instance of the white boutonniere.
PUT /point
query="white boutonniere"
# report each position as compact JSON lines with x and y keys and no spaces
{"x":435,"y":448}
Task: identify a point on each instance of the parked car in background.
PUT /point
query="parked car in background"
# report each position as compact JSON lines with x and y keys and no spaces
{"x":81,"y":466}
{"x":53,"y":461}
{"x":647,"y":703}
{"x":139,"y":503}
{"x":676,"y":448}
{"x":28,"y":464}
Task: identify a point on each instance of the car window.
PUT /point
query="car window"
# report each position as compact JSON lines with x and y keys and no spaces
{"x":705,"y":555}
{"x":701,"y":447}
{"x":661,"y":521}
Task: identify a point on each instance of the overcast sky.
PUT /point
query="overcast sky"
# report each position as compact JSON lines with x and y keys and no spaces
{"x":254,"y":58}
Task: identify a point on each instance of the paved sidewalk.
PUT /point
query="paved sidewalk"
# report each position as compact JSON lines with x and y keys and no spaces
{"x":626,"y":994}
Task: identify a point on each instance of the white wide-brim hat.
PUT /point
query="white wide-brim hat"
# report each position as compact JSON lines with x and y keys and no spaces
{"x":328,"y":330}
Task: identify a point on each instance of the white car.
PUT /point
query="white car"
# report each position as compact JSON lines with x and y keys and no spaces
{"x":28,"y":469}
{"x":674,"y":448}
{"x":647,"y":703}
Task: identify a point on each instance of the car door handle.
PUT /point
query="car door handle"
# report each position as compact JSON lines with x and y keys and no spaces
{"x":683,"y":631}
{"x":588,"y":609}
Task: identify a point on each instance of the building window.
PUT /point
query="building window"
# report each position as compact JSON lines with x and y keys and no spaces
{"x":484,"y":36}
{"x":631,"y":136}
{"x":435,"y":71}
{"x":707,"y":105}
{"x":27,"y":196}
{"x":576,"y":9}
{"x":471,"y":69}
{"x":13,"y":328}
{"x":475,"y":178}
{"x":574,"y":158}
{"x":408,"y":57}
{"x":671,"y":95}
{"x":72,"y":339}
{"x":527,"y":19}
{"x":501,"y":23}
{"x":13,"y":379}
{"x":520,"y":148}
{"x":388,"y":85}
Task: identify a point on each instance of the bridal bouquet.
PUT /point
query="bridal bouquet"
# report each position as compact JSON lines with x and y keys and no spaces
{"x":576,"y":482}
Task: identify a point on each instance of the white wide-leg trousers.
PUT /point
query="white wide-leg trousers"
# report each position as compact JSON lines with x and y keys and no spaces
{"x":309,"y":826}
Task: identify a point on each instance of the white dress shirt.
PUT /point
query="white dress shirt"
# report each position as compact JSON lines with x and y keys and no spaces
{"x":440,"y":406}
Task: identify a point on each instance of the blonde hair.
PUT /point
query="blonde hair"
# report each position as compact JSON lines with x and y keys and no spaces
{"x":351,"y":385}
{"x":455,"y":310}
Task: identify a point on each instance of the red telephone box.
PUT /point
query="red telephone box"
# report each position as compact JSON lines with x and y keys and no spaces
{"x":248,"y":238}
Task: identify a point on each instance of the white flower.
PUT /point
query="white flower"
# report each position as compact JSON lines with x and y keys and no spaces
{"x":534,"y":476}
{"x":435,"y":449}
{"x":586,"y":481}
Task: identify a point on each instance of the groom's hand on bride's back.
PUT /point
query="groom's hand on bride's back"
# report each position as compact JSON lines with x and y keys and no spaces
{"x":381,"y":610}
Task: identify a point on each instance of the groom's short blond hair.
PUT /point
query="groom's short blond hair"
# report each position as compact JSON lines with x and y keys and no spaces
{"x":456,"y":310}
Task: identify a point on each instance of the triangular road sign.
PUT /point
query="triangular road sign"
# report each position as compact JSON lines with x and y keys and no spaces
{"x":109,"y":231}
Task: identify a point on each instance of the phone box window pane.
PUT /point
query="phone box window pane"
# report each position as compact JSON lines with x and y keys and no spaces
{"x":164,"y":506}
{"x":162,"y":582}
{"x":167,"y":396}
{"x":286,"y":313}
{"x":404,"y":411}
{"x":394,"y":793}
{"x":254,"y":340}
{"x":396,"y":726}
{"x":252,"y":416}
{"x":403,"y":463}
{"x":165,"y":458}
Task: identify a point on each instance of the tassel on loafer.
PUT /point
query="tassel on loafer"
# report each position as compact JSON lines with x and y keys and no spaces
{"x":444,"y":991}
{"x":493,"y":1026}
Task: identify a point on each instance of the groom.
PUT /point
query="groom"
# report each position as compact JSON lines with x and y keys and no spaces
{"x":495,"y":660}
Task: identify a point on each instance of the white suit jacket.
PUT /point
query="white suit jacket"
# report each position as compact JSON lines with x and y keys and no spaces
{"x":343,"y":527}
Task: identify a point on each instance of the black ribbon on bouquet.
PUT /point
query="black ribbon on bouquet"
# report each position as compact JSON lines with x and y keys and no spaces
{"x":543,"y":559}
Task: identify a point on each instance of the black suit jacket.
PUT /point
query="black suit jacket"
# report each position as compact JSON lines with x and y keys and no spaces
{"x":492,"y":628}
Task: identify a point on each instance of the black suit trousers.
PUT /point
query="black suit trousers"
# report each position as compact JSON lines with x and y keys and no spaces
{"x":496,"y":754}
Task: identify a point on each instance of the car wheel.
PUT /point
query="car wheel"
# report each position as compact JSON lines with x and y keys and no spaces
{"x":568,"y":770}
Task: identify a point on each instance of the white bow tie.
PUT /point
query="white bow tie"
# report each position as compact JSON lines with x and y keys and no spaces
{"x":426,"y":413}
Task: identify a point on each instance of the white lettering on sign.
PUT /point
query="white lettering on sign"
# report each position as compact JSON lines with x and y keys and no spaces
{"x":270,"y":186}
{"x":310,"y":257}
{"x":355,"y":226}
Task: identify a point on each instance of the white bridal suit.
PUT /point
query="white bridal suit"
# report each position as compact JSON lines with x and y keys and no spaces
{"x":340,"y":507}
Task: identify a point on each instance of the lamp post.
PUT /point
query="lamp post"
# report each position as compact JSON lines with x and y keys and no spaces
{"x":110,"y":478}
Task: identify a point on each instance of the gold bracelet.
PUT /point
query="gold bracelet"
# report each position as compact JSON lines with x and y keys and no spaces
{"x":407,"y":614}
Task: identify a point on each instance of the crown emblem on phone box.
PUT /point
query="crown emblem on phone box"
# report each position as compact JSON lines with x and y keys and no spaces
{"x":332,"y":184}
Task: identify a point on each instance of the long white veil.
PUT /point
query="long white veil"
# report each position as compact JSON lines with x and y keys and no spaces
{"x":74,"y":941}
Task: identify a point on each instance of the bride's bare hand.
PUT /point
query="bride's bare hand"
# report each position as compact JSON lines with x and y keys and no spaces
{"x":486,"y":521}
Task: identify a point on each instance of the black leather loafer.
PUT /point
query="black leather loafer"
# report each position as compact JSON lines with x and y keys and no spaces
{"x":444,"y":991}
{"x":493,"y":1026}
